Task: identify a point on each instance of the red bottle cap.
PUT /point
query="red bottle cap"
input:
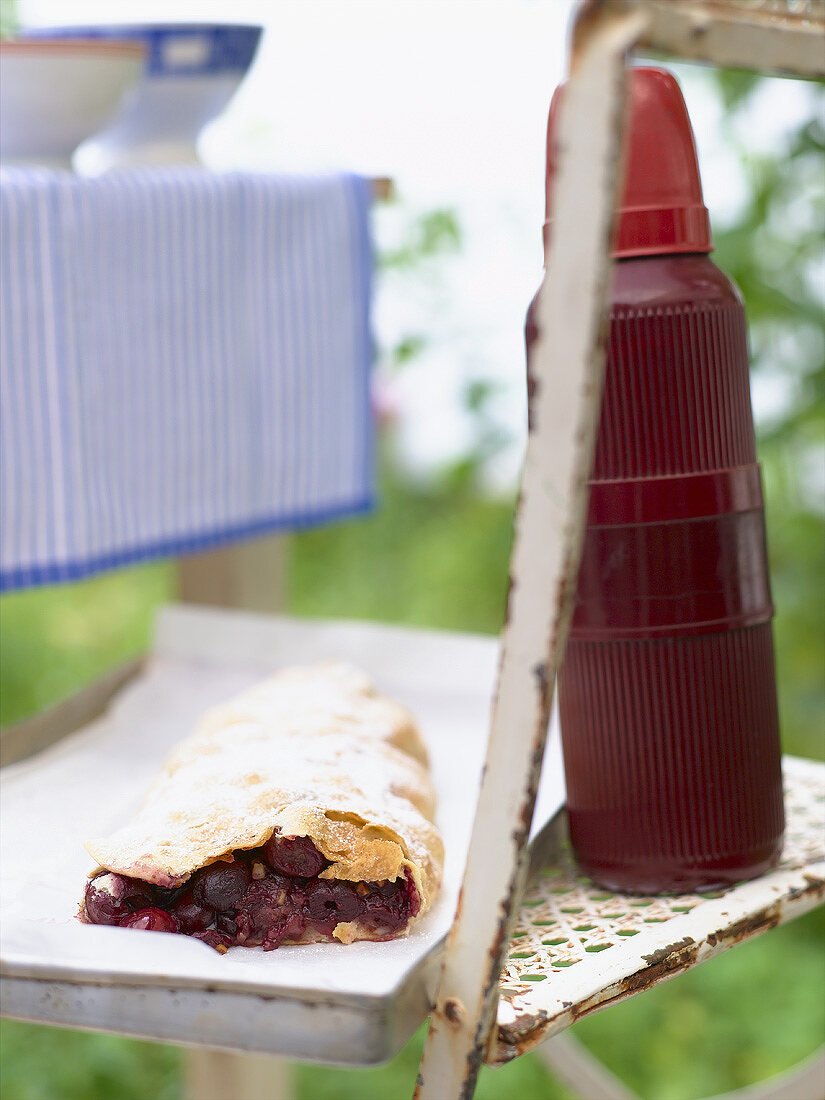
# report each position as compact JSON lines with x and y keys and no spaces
{"x":661,"y":208}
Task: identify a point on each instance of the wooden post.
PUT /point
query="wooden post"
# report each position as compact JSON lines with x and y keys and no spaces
{"x":249,"y":576}
{"x":218,"y":1075}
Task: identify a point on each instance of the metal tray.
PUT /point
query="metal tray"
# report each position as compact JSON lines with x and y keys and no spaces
{"x":354,"y":1005}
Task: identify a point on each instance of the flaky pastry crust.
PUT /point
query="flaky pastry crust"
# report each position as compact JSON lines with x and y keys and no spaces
{"x":312,"y":752}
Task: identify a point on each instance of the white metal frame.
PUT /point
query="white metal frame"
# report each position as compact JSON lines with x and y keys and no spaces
{"x":769,"y":35}
{"x":566,"y":364}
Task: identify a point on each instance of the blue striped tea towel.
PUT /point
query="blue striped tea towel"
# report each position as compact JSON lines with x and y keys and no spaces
{"x":184,"y":362}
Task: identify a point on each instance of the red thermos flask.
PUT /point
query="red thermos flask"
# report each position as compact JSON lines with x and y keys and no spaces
{"x":667,"y":693}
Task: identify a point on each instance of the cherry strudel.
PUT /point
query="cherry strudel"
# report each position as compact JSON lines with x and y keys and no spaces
{"x":298,"y":812}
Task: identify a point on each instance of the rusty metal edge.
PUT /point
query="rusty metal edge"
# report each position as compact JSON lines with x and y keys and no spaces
{"x":530,"y":1029}
{"x":544,"y":561}
{"x":742,"y":38}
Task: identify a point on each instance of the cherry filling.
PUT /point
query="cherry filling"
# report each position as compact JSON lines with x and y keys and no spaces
{"x":110,"y":898}
{"x":191,"y":914}
{"x":152,"y":920}
{"x":265,"y":897}
{"x":293,"y":855}
{"x":222,"y":886}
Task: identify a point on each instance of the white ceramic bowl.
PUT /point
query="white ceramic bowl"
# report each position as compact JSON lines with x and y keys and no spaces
{"x":55,"y":94}
{"x":192,"y":71}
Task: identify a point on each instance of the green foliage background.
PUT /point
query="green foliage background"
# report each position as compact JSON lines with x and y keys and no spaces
{"x":438,"y":557}
{"x":774,"y":251}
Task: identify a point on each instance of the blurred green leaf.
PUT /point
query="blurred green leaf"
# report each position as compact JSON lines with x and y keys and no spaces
{"x":408,"y":348}
{"x":735,"y":86}
{"x":431,"y":234}
{"x":9,"y":19}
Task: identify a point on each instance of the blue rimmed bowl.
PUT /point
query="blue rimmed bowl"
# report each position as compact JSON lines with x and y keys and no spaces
{"x":192,"y":70}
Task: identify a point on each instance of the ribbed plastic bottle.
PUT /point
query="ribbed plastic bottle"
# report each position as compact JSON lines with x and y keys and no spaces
{"x":667,"y":693}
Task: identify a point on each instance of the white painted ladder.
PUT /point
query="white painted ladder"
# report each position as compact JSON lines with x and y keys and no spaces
{"x":497,"y":996}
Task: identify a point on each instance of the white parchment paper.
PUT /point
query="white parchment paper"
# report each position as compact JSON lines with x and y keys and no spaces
{"x":91,"y":781}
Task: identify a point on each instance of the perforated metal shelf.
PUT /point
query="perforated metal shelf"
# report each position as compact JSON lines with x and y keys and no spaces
{"x":577,"y":948}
